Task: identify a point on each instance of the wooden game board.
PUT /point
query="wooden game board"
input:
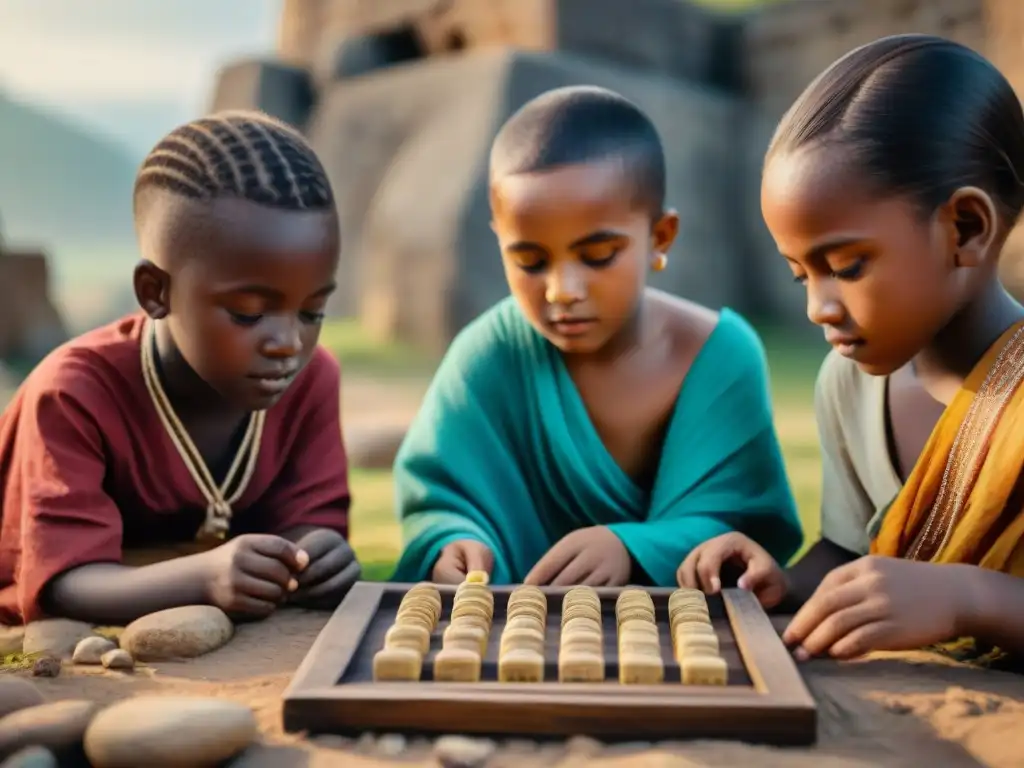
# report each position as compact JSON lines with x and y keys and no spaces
{"x":765,"y":700}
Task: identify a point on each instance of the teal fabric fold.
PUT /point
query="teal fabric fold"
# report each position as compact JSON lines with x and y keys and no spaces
{"x":503,"y":451}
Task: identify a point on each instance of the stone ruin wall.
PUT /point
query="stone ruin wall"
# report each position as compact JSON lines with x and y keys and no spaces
{"x":762,"y":59}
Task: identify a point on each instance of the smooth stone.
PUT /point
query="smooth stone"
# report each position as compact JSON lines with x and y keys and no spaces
{"x":118,"y":658}
{"x":16,"y":693}
{"x":58,"y":726}
{"x":12,"y":640}
{"x":177,"y":633}
{"x":461,"y":752}
{"x":56,"y":637}
{"x":391,"y":745}
{"x":91,"y":650}
{"x":31,"y":757}
{"x":46,"y":667}
{"x":169,"y":731}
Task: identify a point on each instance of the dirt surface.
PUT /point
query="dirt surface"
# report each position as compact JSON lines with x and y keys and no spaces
{"x":906,"y":710}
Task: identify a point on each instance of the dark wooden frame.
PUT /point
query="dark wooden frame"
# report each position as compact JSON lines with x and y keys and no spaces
{"x":776,"y":708}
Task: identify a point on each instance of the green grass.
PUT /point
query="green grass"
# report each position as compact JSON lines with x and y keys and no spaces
{"x":794,"y":362}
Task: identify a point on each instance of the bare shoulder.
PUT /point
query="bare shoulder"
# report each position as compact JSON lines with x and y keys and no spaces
{"x":689,"y":325}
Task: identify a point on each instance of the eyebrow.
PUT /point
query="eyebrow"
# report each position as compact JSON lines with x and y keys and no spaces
{"x":271,"y":293}
{"x":594,"y":238}
{"x":821,"y":249}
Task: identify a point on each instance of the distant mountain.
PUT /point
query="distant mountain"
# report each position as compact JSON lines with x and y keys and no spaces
{"x":61,"y":187}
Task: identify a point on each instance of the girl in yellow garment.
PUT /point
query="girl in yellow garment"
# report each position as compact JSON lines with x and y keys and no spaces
{"x":890,"y":188}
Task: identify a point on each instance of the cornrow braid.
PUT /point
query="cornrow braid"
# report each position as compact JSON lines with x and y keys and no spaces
{"x":242,"y":154}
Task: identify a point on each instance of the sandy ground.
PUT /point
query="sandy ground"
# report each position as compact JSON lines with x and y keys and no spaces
{"x":897,"y":711}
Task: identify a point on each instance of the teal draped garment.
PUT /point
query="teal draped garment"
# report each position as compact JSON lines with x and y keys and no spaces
{"x":503,"y":451}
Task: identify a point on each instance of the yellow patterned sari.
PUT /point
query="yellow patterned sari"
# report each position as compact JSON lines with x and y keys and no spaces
{"x":962,"y":502}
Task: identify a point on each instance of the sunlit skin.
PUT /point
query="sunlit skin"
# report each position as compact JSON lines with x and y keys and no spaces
{"x":886,"y":281}
{"x":576,"y":250}
{"x":241,"y":290}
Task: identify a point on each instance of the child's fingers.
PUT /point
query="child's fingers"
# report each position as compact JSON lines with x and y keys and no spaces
{"x":709,"y":567}
{"x":686,"y":576}
{"x":575,"y":572}
{"x":327,"y":565}
{"x":337,"y":584}
{"x":760,"y":574}
{"x":478,"y":557}
{"x":549,"y":566}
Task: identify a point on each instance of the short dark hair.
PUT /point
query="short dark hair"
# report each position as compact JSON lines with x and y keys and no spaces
{"x":582,"y":124}
{"x":242,"y":154}
{"x":921,"y":115}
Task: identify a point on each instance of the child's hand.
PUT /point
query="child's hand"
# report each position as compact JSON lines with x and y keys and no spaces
{"x":459,"y":558}
{"x":762,"y":575}
{"x":594,"y":557}
{"x":879,"y":604}
{"x":331,"y":572}
{"x":251,"y":575}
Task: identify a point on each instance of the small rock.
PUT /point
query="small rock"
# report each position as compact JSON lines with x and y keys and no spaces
{"x":31,"y":757}
{"x":58,"y":727}
{"x":460,"y":752}
{"x":17,"y":693}
{"x":584,"y":746}
{"x":56,"y":637}
{"x":12,"y":640}
{"x":159,"y":731}
{"x":391,"y":745}
{"x":46,"y":667}
{"x":366,"y":743}
{"x":177,"y":633}
{"x":332,"y":741}
{"x":898,"y":708}
{"x":118,"y":659}
{"x":91,"y":649}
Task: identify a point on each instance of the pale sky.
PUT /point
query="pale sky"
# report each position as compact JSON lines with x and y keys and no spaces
{"x":128,"y":67}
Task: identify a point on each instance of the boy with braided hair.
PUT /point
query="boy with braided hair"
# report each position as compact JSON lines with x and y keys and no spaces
{"x":208,"y":421}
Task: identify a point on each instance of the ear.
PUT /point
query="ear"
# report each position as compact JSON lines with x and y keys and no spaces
{"x":664,"y":232}
{"x":152,"y":289}
{"x":972,"y":226}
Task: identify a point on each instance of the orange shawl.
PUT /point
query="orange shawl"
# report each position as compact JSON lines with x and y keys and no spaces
{"x":953,"y":507}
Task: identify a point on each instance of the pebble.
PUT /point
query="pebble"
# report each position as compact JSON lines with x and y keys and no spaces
{"x":584,"y":746}
{"x":169,"y":731}
{"x":56,"y":637}
{"x":31,"y":757}
{"x":177,"y":633}
{"x":461,"y":752}
{"x":118,"y":659}
{"x":46,"y":667}
{"x":58,"y":726}
{"x":391,"y":745}
{"x":12,"y":640}
{"x":17,"y":693}
{"x":91,"y":649}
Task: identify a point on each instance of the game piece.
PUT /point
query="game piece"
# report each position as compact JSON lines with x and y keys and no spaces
{"x":521,"y":666}
{"x":522,"y":639}
{"x":413,"y":636}
{"x":641,"y":669}
{"x":397,"y":664}
{"x":464,"y":634}
{"x":580,"y":667}
{"x":703,"y":670}
{"x":695,"y":645}
{"x":457,"y":665}
{"x":477,"y":577}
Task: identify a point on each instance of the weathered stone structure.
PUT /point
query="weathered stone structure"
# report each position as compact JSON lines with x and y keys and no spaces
{"x":30,"y":323}
{"x":403,"y":97}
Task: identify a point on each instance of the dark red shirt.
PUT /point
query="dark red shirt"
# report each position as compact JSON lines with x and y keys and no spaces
{"x":87,"y":469}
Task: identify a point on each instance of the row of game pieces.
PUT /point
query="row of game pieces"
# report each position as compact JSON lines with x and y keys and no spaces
{"x":694,"y":641}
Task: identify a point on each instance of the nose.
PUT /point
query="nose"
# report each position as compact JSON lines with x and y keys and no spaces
{"x":824,"y":306}
{"x":565,"y":285}
{"x":283,"y":339}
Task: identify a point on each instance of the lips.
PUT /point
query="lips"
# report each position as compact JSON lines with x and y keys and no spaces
{"x":844,"y":344}
{"x":572,"y":326}
{"x":273,"y":382}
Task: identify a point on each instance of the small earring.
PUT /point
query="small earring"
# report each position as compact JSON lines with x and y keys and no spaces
{"x":660,"y":262}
